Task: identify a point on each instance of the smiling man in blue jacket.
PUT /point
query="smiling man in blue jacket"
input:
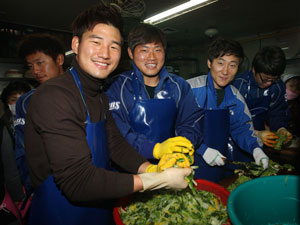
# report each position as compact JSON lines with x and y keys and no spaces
{"x":226,"y":113}
{"x":156,"y":111}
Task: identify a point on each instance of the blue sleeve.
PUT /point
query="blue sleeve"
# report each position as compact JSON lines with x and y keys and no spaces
{"x":19,"y":125}
{"x":119,"y":111}
{"x":202,"y":149}
{"x":278,"y":114}
{"x":241,"y":126}
{"x":188,"y":116}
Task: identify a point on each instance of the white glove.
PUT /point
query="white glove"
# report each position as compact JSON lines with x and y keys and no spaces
{"x":260,"y":156}
{"x":213,"y":157}
{"x":171,"y":178}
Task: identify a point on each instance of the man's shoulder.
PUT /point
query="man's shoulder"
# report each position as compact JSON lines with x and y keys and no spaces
{"x":242,"y":77}
{"x":197,"y":82}
{"x":63,"y":83}
{"x":277,"y":86}
{"x":21,"y":105}
{"x":26,"y":96}
{"x":116,"y":82}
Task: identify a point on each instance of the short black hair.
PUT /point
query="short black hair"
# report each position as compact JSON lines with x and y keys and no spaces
{"x":40,"y":42}
{"x":145,"y":33}
{"x":14,"y":87}
{"x":222,"y":46}
{"x":270,"y":60}
{"x":99,"y":13}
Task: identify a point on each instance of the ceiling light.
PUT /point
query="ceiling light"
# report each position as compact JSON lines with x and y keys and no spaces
{"x":178,"y":10}
{"x":211,"y":32}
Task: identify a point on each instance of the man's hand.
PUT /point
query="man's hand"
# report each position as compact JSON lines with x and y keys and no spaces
{"x":171,"y":145}
{"x":213,"y":157}
{"x":286,"y":133}
{"x":168,"y":161}
{"x":260,"y":157}
{"x":172,"y":178}
{"x":267,"y":137}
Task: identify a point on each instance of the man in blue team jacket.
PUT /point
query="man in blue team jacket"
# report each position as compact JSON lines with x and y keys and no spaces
{"x":156,"y":111}
{"x":226,"y":114}
{"x":265,"y":94}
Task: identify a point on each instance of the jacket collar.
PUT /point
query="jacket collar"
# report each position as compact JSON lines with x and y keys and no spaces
{"x":163,"y":74}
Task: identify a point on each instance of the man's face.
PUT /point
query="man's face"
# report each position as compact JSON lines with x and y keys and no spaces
{"x":149,"y":58}
{"x":223,"y":70}
{"x":43,"y":67}
{"x":99,"y":50}
{"x":263,"y":80}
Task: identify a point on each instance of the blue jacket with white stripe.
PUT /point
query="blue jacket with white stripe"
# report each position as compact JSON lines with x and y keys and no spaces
{"x":121,"y":100}
{"x":276,"y":112}
{"x":241,"y":127}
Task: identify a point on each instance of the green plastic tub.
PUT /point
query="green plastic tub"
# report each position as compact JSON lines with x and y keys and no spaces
{"x":272,"y":200}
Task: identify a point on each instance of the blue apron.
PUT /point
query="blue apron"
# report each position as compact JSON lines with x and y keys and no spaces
{"x":154,"y":118}
{"x":50,"y":207}
{"x":215,"y":132}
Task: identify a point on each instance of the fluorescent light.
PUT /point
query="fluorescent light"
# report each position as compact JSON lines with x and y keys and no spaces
{"x":178,"y":10}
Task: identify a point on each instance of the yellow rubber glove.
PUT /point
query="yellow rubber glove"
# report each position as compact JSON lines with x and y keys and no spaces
{"x":172,"y":159}
{"x":175,"y":144}
{"x":152,"y":169}
{"x":267,"y":137}
{"x":285,"y":132}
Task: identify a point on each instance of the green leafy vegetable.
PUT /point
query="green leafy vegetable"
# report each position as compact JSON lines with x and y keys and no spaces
{"x":281,"y":139}
{"x":272,"y":170}
{"x":174,"y":207}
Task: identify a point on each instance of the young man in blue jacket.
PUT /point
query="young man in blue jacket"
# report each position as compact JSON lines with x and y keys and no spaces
{"x":226,"y":113}
{"x":265,"y":94}
{"x":156,"y":111}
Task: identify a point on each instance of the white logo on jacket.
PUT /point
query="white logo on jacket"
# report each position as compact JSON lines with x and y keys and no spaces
{"x":19,"y":121}
{"x":114,"y":105}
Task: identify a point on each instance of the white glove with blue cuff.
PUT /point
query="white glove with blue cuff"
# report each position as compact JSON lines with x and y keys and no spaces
{"x":213,"y":157}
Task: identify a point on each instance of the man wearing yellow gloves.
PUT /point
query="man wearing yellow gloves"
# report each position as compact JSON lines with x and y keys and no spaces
{"x":265,"y":94}
{"x":156,"y":111}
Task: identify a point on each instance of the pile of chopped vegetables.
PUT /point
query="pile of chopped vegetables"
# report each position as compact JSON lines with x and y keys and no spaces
{"x":244,"y":176}
{"x":174,"y":207}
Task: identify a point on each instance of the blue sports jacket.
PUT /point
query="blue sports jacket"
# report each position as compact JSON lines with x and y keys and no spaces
{"x":19,"y":124}
{"x":121,"y":99}
{"x":241,"y":127}
{"x":277,"y":109}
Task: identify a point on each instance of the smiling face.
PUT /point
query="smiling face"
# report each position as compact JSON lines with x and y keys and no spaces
{"x":43,"y":67}
{"x":149,"y":58}
{"x":223,"y":70}
{"x":99,"y":50}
